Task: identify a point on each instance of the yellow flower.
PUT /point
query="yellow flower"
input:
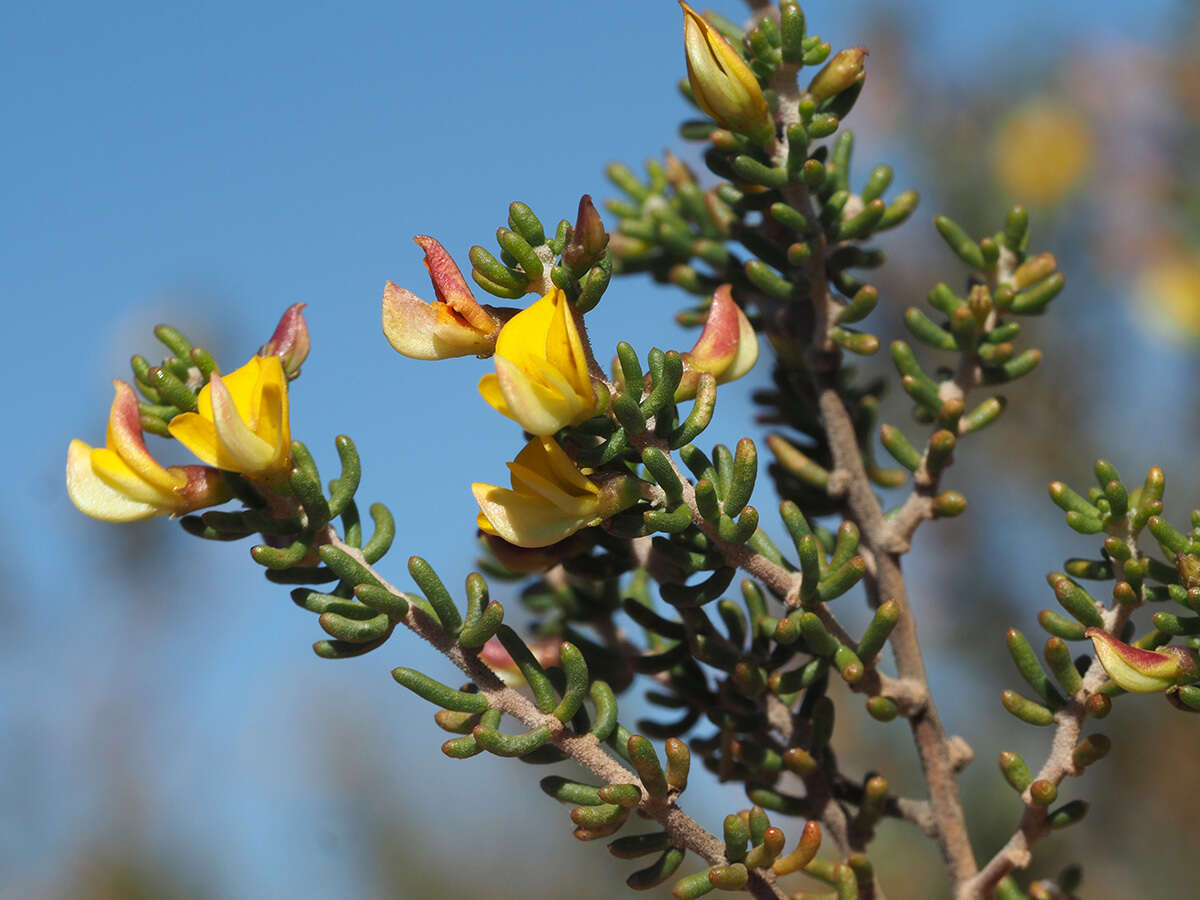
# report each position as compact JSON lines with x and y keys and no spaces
{"x":550,"y":498}
{"x":722,"y":83}
{"x":727,"y":347}
{"x":1168,"y":290}
{"x":1042,"y":151}
{"x":241,"y":422}
{"x":541,"y":379}
{"x":122,"y":482}
{"x":453,"y":325}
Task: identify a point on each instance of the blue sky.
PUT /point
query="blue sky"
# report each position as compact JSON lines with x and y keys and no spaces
{"x":209,"y":164}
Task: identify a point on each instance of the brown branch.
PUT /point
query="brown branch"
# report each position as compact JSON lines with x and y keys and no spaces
{"x":585,"y":749}
{"x":933,"y":745}
{"x":1034,"y":825}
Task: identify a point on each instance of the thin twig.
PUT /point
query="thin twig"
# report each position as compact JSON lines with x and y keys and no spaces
{"x":1016,"y":852}
{"x":585,"y":749}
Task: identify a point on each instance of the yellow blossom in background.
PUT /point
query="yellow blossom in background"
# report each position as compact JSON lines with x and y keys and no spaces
{"x":550,"y":498}
{"x":122,"y":482}
{"x":241,"y":421}
{"x":722,"y":83}
{"x":1042,"y":151}
{"x":542,"y":379}
{"x":1167,"y":292}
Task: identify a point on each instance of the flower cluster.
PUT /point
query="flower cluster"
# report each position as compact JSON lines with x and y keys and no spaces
{"x":240,"y":425}
{"x":546,"y":379}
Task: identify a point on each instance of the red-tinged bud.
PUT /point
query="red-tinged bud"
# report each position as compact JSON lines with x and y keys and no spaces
{"x":588,"y":238}
{"x":1142,"y":671}
{"x":727,"y":347}
{"x":1188,"y":567}
{"x":290,"y":341}
{"x":842,"y":72}
{"x":545,"y":651}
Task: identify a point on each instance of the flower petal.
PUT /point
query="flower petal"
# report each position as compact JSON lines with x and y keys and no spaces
{"x":125,"y":439}
{"x":539,"y":409}
{"x":93,"y":497}
{"x":245,"y":451}
{"x":747,"y":351}
{"x":546,"y":457}
{"x":271,"y":422}
{"x":450,"y":286}
{"x":200,"y":437}
{"x":489,"y":388}
{"x":523,"y":520}
{"x":1136,"y":670}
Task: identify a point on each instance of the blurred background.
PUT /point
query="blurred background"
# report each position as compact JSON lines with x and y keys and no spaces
{"x":166,"y":730}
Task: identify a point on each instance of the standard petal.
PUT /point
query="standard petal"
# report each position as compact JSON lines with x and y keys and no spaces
{"x":93,"y":497}
{"x":200,"y":437}
{"x":245,"y":451}
{"x":564,"y":349}
{"x":272,"y":424}
{"x":523,"y":338}
{"x":125,"y":439}
{"x":450,"y":286}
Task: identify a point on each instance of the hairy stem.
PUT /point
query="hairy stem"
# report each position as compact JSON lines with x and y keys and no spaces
{"x":585,"y":749}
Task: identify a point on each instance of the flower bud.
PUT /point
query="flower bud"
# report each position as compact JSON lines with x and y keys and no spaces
{"x":290,"y":341}
{"x":723,"y":85}
{"x":588,"y":238}
{"x":1142,"y":671}
{"x":844,"y":71}
{"x":1188,"y":567}
{"x":545,"y":650}
{"x":727,"y":347}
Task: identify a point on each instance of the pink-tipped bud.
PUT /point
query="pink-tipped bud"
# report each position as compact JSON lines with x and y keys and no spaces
{"x":727,"y":347}
{"x":588,"y":238}
{"x":545,"y":651}
{"x":290,"y":341}
{"x":1142,"y":671}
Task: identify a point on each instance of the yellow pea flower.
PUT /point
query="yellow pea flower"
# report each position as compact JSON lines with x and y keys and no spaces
{"x":726,"y":349}
{"x":453,"y":325}
{"x":241,"y":422}
{"x":542,"y":379}
{"x":122,"y":482}
{"x":550,"y":498}
{"x":722,"y":83}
